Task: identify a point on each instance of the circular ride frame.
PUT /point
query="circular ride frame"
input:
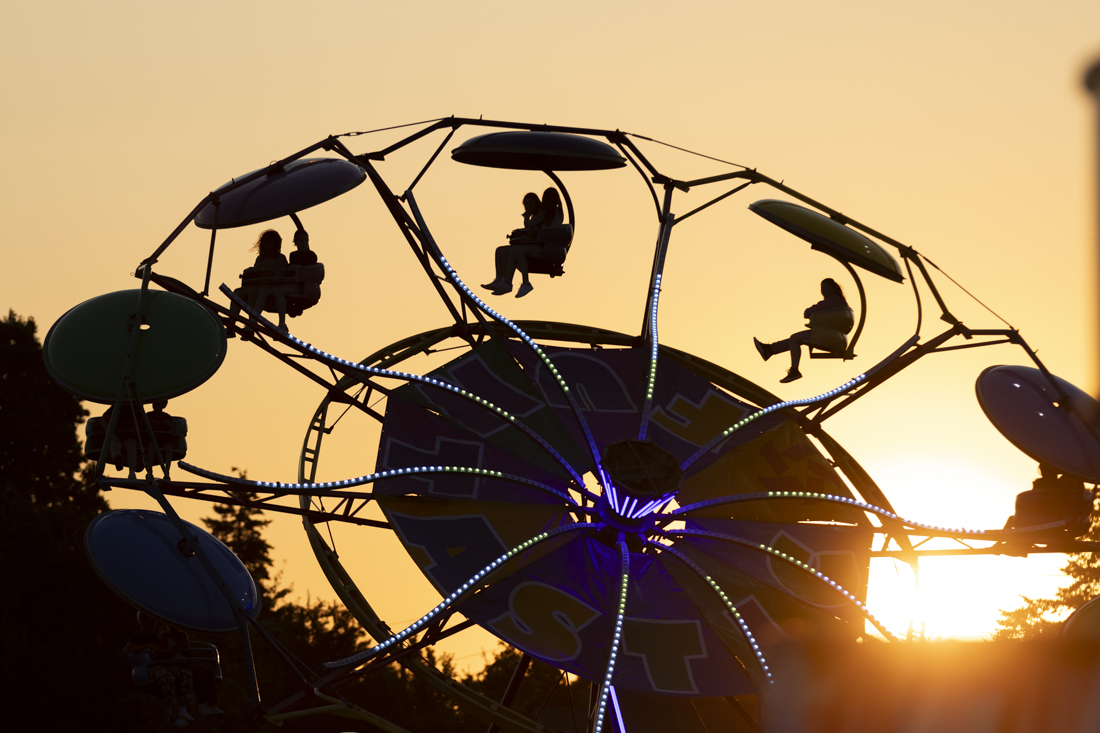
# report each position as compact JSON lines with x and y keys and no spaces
{"x":355,"y":384}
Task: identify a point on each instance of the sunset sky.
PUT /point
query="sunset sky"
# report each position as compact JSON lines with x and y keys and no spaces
{"x":961,"y":129}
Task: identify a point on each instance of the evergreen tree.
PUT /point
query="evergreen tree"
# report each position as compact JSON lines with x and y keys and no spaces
{"x":62,"y":629}
{"x":1042,"y":618}
{"x":62,"y":637}
{"x":312,"y":632}
{"x":241,"y":529}
{"x":543,"y":694}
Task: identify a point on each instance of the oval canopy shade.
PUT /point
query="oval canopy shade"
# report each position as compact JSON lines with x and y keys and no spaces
{"x":181,"y":345}
{"x":830,"y":237}
{"x":538,"y":151}
{"x":299,"y":185}
{"x":1020,"y":403}
{"x":136,"y":552}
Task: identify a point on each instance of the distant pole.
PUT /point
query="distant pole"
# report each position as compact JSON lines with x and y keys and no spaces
{"x":1092,"y":83}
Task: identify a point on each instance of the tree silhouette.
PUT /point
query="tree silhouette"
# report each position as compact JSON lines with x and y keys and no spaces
{"x":60,"y":622}
{"x":241,"y":529}
{"x":1042,"y":618}
{"x":312,"y":632}
{"x":63,"y":630}
{"x":543,"y":694}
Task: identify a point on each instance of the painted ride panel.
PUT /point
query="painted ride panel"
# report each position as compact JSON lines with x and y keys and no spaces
{"x":557,"y":600}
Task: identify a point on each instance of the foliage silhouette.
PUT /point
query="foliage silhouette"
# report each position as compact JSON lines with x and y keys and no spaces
{"x":63,"y":666}
{"x":315,"y":631}
{"x":60,"y":623}
{"x":1042,"y":618}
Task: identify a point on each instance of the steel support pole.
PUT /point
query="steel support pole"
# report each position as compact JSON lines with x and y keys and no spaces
{"x":1092,"y":83}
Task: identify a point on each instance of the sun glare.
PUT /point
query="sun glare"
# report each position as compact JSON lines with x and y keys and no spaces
{"x":954,"y":597}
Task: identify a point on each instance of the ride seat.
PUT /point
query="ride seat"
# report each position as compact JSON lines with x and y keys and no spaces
{"x":199,"y":655}
{"x":95,"y":430}
{"x":309,"y":278}
{"x":829,"y":331}
{"x":555,"y":241}
{"x":1039,"y":506}
{"x":299,"y":284}
{"x":173,"y":434}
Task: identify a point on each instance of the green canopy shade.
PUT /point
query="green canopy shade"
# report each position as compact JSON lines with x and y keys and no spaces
{"x":297,"y":186}
{"x":538,"y":151}
{"x":830,"y":237}
{"x":180,"y":346}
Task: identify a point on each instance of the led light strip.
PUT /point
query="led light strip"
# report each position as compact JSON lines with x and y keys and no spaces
{"x":831,"y":498}
{"x":469,"y":585}
{"x":609,"y":489}
{"x":530,"y":342}
{"x":633,"y":511}
{"x":307,"y":488}
{"x":725,"y":599}
{"x":618,"y":710}
{"x":772,"y":408}
{"x":794,"y":561}
{"x":623,"y":585}
{"x":644,"y":427}
{"x":407,"y":376}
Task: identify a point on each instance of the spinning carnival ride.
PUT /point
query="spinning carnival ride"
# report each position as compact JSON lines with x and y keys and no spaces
{"x":621,"y":510}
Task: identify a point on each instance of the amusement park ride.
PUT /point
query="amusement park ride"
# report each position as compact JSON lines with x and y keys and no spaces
{"x":538,"y":479}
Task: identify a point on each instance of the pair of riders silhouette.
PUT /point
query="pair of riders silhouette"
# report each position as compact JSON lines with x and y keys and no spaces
{"x":271,"y":279}
{"x":541,"y":219}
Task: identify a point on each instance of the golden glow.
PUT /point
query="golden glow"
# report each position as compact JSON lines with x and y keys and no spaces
{"x":962,"y":131}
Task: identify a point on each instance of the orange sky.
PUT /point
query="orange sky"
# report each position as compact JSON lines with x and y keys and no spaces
{"x":962,"y":130}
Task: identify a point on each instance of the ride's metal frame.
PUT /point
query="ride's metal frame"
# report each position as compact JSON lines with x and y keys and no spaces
{"x":473,"y":322}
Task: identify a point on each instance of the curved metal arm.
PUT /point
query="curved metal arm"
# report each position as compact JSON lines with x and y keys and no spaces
{"x":565,"y":194}
{"x":851,"y":350}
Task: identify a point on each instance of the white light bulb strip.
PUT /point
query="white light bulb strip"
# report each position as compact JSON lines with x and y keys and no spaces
{"x":624,"y":583}
{"x":470,"y":585}
{"x":653,"y":349}
{"x":337,"y":362}
{"x":771,"y":408}
{"x":794,"y":561}
{"x":308,"y":488}
{"x":725,"y":599}
{"x":835,"y":499}
{"x":530,"y":342}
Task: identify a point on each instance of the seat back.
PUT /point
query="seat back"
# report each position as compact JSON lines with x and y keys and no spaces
{"x":300,"y":286}
{"x":308,"y":293}
{"x":139,"y":671}
{"x":556,"y":241}
{"x":174,"y":434}
{"x":205,"y":656}
{"x":199,"y":655}
{"x":95,"y":430}
{"x":829,"y":329}
{"x":834,"y":319}
{"x":311,"y":273}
